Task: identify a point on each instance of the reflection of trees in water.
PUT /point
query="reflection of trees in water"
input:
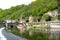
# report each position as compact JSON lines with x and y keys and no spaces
{"x":49,"y":35}
{"x":54,"y":36}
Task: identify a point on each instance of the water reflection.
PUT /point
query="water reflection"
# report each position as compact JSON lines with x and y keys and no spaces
{"x":54,"y":34}
{"x":50,"y":34}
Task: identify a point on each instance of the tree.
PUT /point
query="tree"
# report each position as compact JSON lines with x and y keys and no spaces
{"x":36,"y":8}
{"x":46,"y":17}
{"x":54,"y":18}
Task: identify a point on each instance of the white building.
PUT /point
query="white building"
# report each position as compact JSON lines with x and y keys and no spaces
{"x":10,"y":21}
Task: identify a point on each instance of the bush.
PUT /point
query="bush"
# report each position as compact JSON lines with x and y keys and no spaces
{"x":46,"y":17}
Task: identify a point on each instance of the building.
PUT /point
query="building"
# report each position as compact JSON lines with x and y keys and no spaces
{"x":53,"y":13}
{"x":22,"y":20}
{"x":31,"y":19}
{"x":10,"y":21}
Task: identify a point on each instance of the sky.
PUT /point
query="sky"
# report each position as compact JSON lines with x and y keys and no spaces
{"x":5,"y":4}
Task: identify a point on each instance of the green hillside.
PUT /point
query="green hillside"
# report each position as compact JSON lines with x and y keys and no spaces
{"x":36,"y":8}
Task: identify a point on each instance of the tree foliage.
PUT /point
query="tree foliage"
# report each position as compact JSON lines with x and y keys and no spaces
{"x":36,"y":8}
{"x":46,"y":17}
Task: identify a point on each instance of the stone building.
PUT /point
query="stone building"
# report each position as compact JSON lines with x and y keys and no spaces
{"x":53,"y":13}
{"x":9,"y":24}
{"x":31,"y":18}
{"x":22,"y":25}
{"x":22,"y":20}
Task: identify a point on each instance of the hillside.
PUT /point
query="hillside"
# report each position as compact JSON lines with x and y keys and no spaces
{"x":37,"y":9}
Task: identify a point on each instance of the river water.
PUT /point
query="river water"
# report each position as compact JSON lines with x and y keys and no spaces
{"x":54,"y":34}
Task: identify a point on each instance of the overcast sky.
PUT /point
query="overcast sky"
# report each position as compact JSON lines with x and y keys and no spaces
{"x":4,"y":4}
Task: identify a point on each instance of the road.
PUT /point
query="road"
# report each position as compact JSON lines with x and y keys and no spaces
{"x":8,"y":36}
{"x":1,"y":35}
